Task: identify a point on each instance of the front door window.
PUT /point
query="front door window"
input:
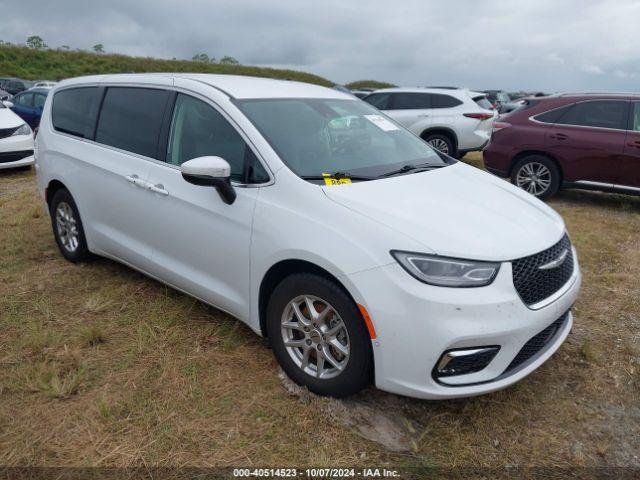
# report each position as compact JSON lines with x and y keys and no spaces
{"x":199,"y":130}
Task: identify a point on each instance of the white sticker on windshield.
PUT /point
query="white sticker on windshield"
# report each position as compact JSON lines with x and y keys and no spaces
{"x":381,"y":122}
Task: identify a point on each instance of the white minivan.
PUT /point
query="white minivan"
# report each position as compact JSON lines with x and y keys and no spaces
{"x":362,"y":253}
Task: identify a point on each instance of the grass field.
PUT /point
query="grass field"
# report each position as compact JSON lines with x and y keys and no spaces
{"x":30,"y":64}
{"x":100,"y":366}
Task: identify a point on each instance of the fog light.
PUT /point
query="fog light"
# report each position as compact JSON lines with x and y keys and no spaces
{"x":465,"y":360}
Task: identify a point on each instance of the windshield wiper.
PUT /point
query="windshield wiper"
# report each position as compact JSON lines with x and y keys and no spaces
{"x":410,"y":168}
{"x":338,"y":176}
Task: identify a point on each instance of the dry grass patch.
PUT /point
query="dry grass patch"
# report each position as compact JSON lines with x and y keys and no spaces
{"x":103,"y":366}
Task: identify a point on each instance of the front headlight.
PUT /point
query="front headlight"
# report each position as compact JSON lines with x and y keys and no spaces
{"x":447,"y":272}
{"x":23,"y":129}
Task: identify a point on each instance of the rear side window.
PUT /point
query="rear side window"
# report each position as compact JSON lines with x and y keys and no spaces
{"x":74,"y":111}
{"x":444,"y":101}
{"x":483,"y":102}
{"x":411,"y":101}
{"x":552,"y":116}
{"x":378,"y":100}
{"x":600,"y":113}
{"x":26,"y":100}
{"x":131,"y":119}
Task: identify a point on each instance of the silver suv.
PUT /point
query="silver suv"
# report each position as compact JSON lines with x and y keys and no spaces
{"x":454,"y":121}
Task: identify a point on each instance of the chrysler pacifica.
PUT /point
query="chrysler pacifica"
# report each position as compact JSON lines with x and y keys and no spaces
{"x":361,"y":253}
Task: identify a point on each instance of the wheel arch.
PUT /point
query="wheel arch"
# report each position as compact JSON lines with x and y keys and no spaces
{"x":448,"y":132}
{"x":52,"y":187}
{"x":281,"y":270}
{"x":525,"y":153}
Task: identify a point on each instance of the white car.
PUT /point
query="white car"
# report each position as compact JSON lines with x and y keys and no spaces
{"x":454,"y":121}
{"x":44,"y":84}
{"x":357,"y":249}
{"x":16,"y":139}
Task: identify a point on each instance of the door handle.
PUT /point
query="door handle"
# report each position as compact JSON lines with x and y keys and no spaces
{"x":158,"y":188}
{"x":423,"y":115}
{"x":634,"y":144}
{"x":558,"y":136}
{"x":137,"y":181}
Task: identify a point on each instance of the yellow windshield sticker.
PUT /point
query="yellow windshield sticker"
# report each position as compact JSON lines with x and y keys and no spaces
{"x":329,"y":180}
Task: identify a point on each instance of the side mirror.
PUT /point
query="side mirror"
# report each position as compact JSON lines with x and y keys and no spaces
{"x":210,"y":172}
{"x":7,"y":103}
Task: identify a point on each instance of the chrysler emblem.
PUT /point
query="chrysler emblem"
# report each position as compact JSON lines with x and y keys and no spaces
{"x":555,"y":263}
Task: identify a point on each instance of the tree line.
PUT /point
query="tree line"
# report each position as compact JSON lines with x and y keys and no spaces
{"x":36,"y":42}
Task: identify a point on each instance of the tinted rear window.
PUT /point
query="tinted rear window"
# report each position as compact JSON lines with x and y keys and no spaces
{"x":378,"y":100}
{"x":131,"y":119}
{"x":444,"y":101}
{"x":600,"y":113}
{"x":483,"y":102}
{"x":552,"y":116}
{"x":74,"y":111}
{"x":411,"y":101}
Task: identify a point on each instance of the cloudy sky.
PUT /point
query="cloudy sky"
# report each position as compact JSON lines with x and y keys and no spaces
{"x":549,"y":45}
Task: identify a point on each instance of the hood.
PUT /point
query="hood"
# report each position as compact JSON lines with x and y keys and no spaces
{"x":456,"y":211}
{"x":8,"y":119}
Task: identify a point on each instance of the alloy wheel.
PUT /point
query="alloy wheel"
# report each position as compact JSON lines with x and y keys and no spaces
{"x":439,"y":144}
{"x":315,"y":337}
{"x":534,"y":177}
{"x":67,"y":227}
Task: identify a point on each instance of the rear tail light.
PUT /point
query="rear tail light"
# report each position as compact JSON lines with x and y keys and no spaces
{"x":497,"y":126}
{"x":479,"y":115}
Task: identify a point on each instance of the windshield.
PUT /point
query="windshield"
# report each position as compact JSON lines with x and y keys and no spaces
{"x":320,"y":136}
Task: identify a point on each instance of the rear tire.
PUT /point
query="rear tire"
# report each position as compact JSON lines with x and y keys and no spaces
{"x":67,"y":227}
{"x":441,"y":143}
{"x":537,"y":175}
{"x":337,"y":339}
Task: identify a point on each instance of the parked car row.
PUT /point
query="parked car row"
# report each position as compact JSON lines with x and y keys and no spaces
{"x":14,"y":85}
{"x":361,"y":252}
{"x":542,"y":143}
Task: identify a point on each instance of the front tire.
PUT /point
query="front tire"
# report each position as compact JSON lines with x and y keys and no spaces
{"x":537,"y":175}
{"x":318,"y":336}
{"x":67,"y":227}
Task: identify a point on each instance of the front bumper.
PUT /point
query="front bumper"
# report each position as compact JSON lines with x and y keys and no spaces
{"x":16,"y":151}
{"x":416,"y":323}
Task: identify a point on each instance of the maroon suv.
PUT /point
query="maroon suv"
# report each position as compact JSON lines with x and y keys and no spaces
{"x":589,"y":141}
